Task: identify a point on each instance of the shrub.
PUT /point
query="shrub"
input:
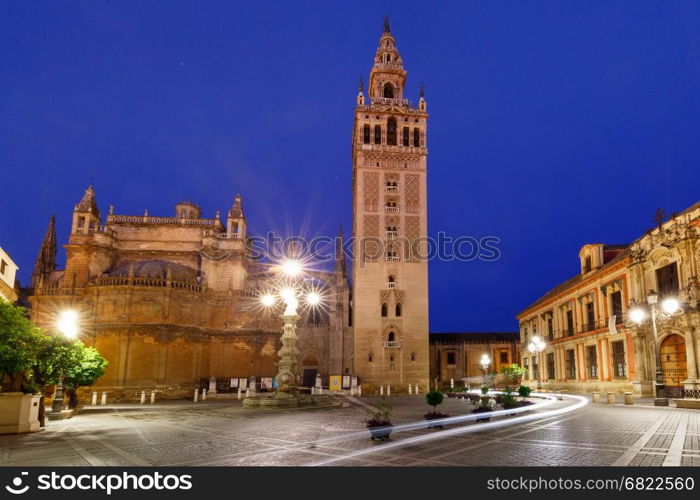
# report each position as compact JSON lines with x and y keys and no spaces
{"x":378,"y":416}
{"x":484,"y":389}
{"x":508,"y":400}
{"x":434,"y":398}
{"x":524,"y":391}
{"x":513,"y":372}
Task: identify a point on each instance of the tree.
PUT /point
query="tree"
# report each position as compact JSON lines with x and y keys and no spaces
{"x":85,"y":366}
{"x":53,"y":354}
{"x":20,"y":341}
{"x":513,"y":372}
{"x":434,"y":398}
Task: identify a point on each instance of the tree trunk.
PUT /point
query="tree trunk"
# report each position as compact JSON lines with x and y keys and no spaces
{"x":72,"y":397}
{"x":42,"y":411}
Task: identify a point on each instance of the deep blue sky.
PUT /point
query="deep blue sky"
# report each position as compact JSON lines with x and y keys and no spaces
{"x":553,"y":124}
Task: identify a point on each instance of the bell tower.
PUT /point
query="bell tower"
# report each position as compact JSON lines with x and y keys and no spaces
{"x":390,"y":269}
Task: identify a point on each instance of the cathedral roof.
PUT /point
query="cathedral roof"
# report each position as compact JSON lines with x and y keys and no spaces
{"x":154,"y":269}
{"x":88,"y":203}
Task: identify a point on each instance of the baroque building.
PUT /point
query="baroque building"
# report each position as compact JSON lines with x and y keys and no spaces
{"x":172,"y":301}
{"x":592,"y":343}
{"x":8,"y":273}
{"x":390,"y":279}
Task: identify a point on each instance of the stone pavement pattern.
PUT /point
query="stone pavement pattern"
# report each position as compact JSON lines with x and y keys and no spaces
{"x":217,"y":433}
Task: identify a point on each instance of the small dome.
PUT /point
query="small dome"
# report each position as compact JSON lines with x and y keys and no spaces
{"x":155,"y":269}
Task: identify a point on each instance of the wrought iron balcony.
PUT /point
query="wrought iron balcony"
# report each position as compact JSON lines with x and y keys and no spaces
{"x":393,"y":344}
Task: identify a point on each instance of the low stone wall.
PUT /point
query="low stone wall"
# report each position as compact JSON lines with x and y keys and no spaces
{"x":618,"y":387}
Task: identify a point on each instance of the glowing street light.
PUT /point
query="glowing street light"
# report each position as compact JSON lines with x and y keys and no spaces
{"x":313,"y":298}
{"x":291,"y":268}
{"x":485,"y":362}
{"x":652,"y":312}
{"x":268,"y":300}
{"x":536,"y":346}
{"x":68,"y":325}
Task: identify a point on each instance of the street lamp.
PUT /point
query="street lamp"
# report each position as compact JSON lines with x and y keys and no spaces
{"x":485,"y":362}
{"x":536,"y":346}
{"x":653,"y":313}
{"x":290,"y":287}
{"x":67,"y":325}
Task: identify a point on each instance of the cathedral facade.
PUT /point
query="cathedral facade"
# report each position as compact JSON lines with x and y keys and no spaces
{"x":171,"y":301}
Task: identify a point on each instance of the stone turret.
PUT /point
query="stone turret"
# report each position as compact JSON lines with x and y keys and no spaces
{"x":46,"y":260}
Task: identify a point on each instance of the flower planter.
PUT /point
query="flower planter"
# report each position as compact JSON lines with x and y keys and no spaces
{"x":19,"y":412}
{"x":380,"y":433}
{"x":435,"y":416}
{"x":483,"y":410}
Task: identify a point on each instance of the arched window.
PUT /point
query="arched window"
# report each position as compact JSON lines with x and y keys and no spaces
{"x":413,"y":356}
{"x":398,"y":309}
{"x":366,"y":134}
{"x":416,"y":137}
{"x":392,"y":279}
{"x":385,"y":310}
{"x":391,"y":337}
{"x":405,"y":136}
{"x":391,"y":131}
{"x":377,"y":134}
{"x":369,"y":358}
{"x":388,"y":90}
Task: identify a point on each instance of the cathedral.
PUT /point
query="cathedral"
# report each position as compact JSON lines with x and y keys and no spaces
{"x":172,"y":301}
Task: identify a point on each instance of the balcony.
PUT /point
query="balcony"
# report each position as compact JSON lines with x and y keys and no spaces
{"x":392,"y":234}
{"x":391,"y":285}
{"x":391,"y":210}
{"x":392,"y":189}
{"x":392,"y":344}
{"x":392,"y":258}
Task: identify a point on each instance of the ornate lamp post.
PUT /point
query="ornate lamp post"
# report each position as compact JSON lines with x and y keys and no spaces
{"x":67,"y":325}
{"x":652,"y":313}
{"x":536,"y":346}
{"x":485,"y":362}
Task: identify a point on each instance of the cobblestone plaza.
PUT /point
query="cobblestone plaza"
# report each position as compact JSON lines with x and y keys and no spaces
{"x":224,"y":434}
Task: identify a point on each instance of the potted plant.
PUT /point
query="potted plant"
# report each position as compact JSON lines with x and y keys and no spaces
{"x":524,"y":391}
{"x":434,"y":398}
{"x":378,"y":421}
{"x":484,"y":404}
{"x":513,"y":373}
{"x":508,"y":401}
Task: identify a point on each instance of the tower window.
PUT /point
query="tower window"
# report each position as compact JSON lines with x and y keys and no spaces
{"x":377,"y":134}
{"x":385,"y":310}
{"x":416,"y":137}
{"x":413,"y":356}
{"x":366,"y":134}
{"x":388,"y":90}
{"x":370,"y":357}
{"x":405,"y":136}
{"x":391,"y":131}
{"x":391,"y":337}
{"x":398,"y":310}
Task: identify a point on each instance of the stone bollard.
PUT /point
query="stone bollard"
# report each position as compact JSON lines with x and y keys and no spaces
{"x":143,"y":397}
{"x":596,"y":397}
{"x":247,"y":392}
{"x":204,"y":394}
{"x":239,"y":392}
{"x":628,"y":398}
{"x":452,"y":383}
{"x":94,"y":399}
{"x":417,"y":390}
{"x":381,"y":390}
{"x":410,"y":389}
{"x":611,"y":398}
{"x":359,"y":390}
{"x":153,"y":397}
{"x":196,"y":395}
{"x":388,"y":390}
{"x":104,"y":398}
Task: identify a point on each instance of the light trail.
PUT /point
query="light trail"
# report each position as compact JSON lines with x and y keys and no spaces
{"x":581,"y":402}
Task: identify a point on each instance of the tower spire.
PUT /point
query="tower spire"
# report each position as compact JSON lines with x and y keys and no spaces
{"x":340,"y":265}
{"x":386,"y":24}
{"x":46,"y":260}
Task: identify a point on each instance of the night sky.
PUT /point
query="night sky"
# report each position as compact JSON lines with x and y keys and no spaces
{"x":552,"y":124}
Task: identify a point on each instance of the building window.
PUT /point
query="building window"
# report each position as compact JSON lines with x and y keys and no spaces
{"x":391,"y":337}
{"x":569,"y":323}
{"x":391,"y":131}
{"x":370,"y":357}
{"x":388,"y":91}
{"x":618,"y":359}
{"x":526,"y":365}
{"x":616,"y":305}
{"x":451,"y":358}
{"x":503,"y":356}
{"x":413,"y":356}
{"x":570,"y":358}
{"x":398,"y":310}
{"x":377,"y":134}
{"x":366,"y":132}
{"x":550,"y":328}
{"x":587,"y":266}
{"x":416,"y":137}
{"x":550,"y":366}
{"x":590,"y":316}
{"x":667,"y":280}
{"x":592,"y":361}
{"x":406,"y":135}
{"x":3,"y":265}
{"x":385,"y":310}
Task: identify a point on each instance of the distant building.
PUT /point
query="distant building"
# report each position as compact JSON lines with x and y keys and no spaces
{"x":457,"y":356}
{"x":591,"y":342}
{"x":8,"y":272}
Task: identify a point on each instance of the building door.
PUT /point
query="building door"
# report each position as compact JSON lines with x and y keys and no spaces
{"x":673,"y":364}
{"x":309,"y":377}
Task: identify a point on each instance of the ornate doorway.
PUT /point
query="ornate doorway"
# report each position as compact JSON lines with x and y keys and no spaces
{"x":673,"y":364}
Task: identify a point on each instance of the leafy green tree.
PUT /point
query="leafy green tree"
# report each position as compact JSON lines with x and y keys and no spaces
{"x":20,"y":340}
{"x":85,"y":366}
{"x":513,"y":372}
{"x":434,"y":398}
